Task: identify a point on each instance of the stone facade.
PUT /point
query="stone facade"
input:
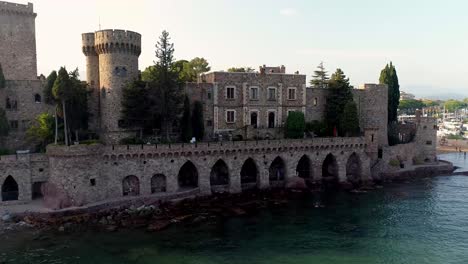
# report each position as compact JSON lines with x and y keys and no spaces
{"x":112,"y":62}
{"x":23,"y":96}
{"x":18,"y":41}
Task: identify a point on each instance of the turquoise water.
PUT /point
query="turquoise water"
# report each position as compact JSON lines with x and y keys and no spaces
{"x":420,"y":221}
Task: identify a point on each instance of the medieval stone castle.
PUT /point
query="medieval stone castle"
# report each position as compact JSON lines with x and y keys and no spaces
{"x":242,"y":106}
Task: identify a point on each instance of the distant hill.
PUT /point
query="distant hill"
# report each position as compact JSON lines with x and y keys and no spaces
{"x":436,"y":93}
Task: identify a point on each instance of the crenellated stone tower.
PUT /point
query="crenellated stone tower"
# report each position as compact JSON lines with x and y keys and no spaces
{"x":111,"y":63}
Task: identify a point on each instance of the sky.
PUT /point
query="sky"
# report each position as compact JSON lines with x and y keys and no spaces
{"x":425,"y":39}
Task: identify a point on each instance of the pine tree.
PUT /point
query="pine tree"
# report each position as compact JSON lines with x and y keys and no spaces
{"x":389,"y":77}
{"x":320,"y":78}
{"x":339,"y":95}
{"x":165,"y":87}
{"x":135,"y":104}
{"x":2,"y":78}
{"x":186,"y":122}
{"x":198,"y":124}
{"x":350,"y":120}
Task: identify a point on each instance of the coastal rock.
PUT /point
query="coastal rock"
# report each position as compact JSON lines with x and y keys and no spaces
{"x":7,"y":218}
{"x":158,"y":225}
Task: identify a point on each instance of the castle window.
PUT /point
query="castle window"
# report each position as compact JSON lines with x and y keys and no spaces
{"x":372,"y":138}
{"x":8,"y":103}
{"x":429,"y":142}
{"x":11,"y":104}
{"x":37,"y":98}
{"x":121,"y":123}
{"x":92,"y":182}
{"x":291,"y":93}
{"x":315,"y":101}
{"x":209,"y":123}
{"x":230,"y":92}
{"x":253,"y":93}
{"x":14,"y":124}
{"x":272,"y":94}
{"x":230,"y":116}
{"x":208,"y":95}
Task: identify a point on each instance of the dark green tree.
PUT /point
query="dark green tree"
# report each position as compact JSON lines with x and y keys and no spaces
{"x":135,"y":105}
{"x":166,"y":91}
{"x":186,"y":122}
{"x":240,"y":69}
{"x":61,"y":92}
{"x":295,"y":125}
{"x":453,"y":105}
{"x":198,"y":124}
{"x":389,"y":77}
{"x":77,"y":105}
{"x":42,"y":131}
{"x":409,"y":106}
{"x":48,"y":95}
{"x":320,"y":77}
{"x":339,"y":95}
{"x":2,"y":78}
{"x":350,"y":120}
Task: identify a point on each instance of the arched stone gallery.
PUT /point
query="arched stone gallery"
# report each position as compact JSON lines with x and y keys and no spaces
{"x":249,"y":174}
{"x":10,"y":191}
{"x":188,"y":176}
{"x":219,"y":175}
{"x":131,"y":186}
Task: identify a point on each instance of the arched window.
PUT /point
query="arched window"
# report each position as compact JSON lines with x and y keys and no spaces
{"x":131,"y":186}
{"x":37,"y":98}
{"x":277,"y":170}
{"x":188,"y":176}
{"x":271,"y":120}
{"x":10,"y":190}
{"x":219,"y":174}
{"x":158,"y":183}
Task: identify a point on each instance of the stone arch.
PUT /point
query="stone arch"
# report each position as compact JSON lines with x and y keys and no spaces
{"x":277,"y":170}
{"x":188,"y":176}
{"x":354,"y":169}
{"x":131,"y":186}
{"x":249,"y":173}
{"x":330,"y":170}
{"x":10,"y":190}
{"x":304,"y":168}
{"x":219,"y":175}
{"x":158,"y":183}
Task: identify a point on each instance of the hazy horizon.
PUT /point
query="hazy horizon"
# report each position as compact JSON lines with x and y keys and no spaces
{"x":422,"y":38}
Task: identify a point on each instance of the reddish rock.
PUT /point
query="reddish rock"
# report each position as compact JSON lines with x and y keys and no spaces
{"x":296,"y":183}
{"x":158,"y":225}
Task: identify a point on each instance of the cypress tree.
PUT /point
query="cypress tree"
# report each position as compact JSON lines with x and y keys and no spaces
{"x":198,"y":124}
{"x":389,"y":77}
{"x":61,"y":92}
{"x":340,"y":94}
{"x":350,"y":120}
{"x":186,"y":122}
{"x":320,"y":77}
{"x":2,"y":78}
{"x":49,"y":97}
{"x":295,"y":125}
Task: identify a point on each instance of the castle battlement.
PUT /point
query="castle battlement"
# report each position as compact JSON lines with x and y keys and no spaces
{"x":17,"y":9}
{"x":116,"y":41}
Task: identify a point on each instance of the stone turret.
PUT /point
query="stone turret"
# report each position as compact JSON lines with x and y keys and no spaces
{"x":18,"y":41}
{"x":112,"y":62}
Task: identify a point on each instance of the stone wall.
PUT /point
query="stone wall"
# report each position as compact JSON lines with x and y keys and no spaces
{"x":18,"y":41}
{"x":25,"y":169}
{"x":93,"y":173}
{"x":23,"y":101}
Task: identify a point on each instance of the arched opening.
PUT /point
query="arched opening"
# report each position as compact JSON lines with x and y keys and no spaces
{"x":277,"y":171}
{"x":158,"y":183}
{"x":10,"y":190}
{"x":249,"y":174}
{"x":254,"y":119}
{"x":271,"y":120}
{"x":330,"y":170}
{"x":303,"y":168}
{"x":188,"y":176}
{"x":353,"y":169}
{"x":37,"y":98}
{"x":219,"y":175}
{"x":131,"y":186}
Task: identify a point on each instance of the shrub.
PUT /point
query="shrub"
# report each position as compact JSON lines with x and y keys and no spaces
{"x":295,"y":125}
{"x":394,"y":163}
